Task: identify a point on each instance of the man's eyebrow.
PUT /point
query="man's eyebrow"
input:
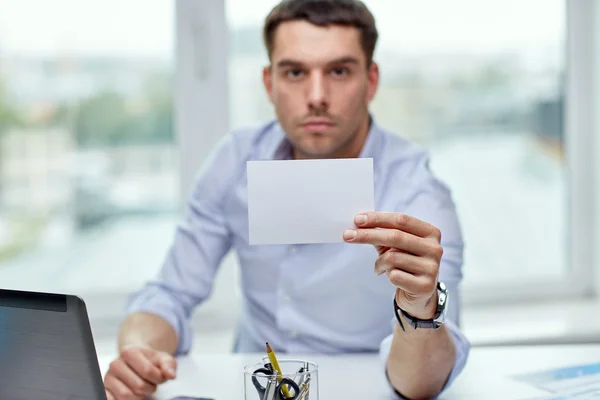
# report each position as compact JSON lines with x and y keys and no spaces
{"x":289,"y":63}
{"x":286,"y":62}
{"x":344,"y":60}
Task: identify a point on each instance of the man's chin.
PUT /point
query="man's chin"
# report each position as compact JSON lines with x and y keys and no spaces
{"x":315,"y":147}
{"x":314,"y":152}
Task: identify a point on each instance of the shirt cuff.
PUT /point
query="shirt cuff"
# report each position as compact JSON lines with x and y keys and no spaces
{"x":154,"y":300}
{"x":462,"y":347}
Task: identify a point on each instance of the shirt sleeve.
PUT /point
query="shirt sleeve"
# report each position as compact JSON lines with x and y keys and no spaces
{"x":430,"y":200}
{"x":201,"y":241}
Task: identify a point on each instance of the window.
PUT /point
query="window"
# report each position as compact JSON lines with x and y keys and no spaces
{"x":89,"y":189}
{"x":482,"y":86}
{"x":488,"y":103}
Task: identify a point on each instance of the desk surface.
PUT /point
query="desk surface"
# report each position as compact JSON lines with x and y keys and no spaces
{"x":486,"y":375}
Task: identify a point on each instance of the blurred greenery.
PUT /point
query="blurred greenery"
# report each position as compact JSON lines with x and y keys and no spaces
{"x":110,"y":119}
{"x":24,"y":232}
{"x":9,"y":117}
{"x":107,"y":118}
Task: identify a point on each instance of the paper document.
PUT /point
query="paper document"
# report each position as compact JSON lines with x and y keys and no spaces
{"x":307,"y":201}
{"x":575,"y":382}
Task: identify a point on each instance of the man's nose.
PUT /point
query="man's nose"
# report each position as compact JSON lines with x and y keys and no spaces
{"x":318,"y":92}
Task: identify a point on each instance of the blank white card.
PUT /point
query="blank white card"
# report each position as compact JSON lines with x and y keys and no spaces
{"x":307,"y":201}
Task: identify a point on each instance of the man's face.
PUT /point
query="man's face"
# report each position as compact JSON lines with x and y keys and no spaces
{"x":320,"y":86}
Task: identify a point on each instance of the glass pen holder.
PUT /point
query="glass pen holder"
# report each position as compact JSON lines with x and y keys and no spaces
{"x":299,"y":380}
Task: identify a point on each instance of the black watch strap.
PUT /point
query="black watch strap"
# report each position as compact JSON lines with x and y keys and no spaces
{"x":423,"y":323}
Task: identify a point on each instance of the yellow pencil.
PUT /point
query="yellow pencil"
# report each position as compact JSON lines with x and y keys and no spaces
{"x":273,"y":359}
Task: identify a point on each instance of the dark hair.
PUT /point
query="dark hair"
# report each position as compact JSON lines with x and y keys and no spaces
{"x":324,"y":13}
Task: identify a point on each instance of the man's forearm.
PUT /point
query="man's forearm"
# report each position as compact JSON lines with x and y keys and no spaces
{"x":420,"y":361}
{"x":150,"y":330}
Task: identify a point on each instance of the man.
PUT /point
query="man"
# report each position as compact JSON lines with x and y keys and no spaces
{"x":313,"y":298}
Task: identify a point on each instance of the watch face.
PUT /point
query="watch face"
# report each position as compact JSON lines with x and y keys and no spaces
{"x":442,"y":307}
{"x":442,"y":299}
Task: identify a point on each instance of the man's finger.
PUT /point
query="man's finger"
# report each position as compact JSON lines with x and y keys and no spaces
{"x":119,"y":390}
{"x":391,"y":238}
{"x":409,"y":263}
{"x":167,"y":364}
{"x":142,"y":365}
{"x":131,"y":379}
{"x":399,"y":221}
{"x":415,"y":285}
{"x":109,"y":395}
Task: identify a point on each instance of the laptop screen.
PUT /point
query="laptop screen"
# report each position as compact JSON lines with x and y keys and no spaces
{"x":46,"y":348}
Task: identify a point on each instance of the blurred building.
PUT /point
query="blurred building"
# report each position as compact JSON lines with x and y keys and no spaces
{"x":34,"y":170}
{"x":548,"y":122}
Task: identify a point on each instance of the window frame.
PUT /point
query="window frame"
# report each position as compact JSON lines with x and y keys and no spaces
{"x":201,"y":83}
{"x":579,"y":128}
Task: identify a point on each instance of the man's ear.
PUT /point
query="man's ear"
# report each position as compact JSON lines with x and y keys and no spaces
{"x":268,"y":81}
{"x":373,"y":80}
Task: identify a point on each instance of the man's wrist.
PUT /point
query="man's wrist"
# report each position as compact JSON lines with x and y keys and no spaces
{"x":426,"y":311}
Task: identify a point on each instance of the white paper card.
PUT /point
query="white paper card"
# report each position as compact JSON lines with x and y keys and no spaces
{"x":307,"y":201}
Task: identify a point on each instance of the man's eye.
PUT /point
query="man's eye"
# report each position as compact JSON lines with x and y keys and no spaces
{"x":340,"y":71}
{"x":295,"y":73}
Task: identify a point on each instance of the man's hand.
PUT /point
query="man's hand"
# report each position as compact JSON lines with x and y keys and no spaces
{"x":409,"y":253}
{"x":137,"y":373}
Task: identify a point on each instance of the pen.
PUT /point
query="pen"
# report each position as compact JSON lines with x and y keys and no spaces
{"x":303,"y":395}
{"x":302,"y":380}
{"x":307,"y":375}
{"x":273,"y":359}
{"x":306,"y":386}
{"x":300,"y":376}
{"x":270,"y":390}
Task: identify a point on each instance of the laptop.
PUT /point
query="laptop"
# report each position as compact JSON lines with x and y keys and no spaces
{"x":46,"y":348}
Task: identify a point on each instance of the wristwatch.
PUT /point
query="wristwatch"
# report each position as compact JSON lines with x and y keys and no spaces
{"x":438,"y":319}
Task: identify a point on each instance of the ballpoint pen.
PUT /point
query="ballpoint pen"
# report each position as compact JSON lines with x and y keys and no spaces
{"x":271,"y":389}
{"x":306,"y":368}
{"x":307,"y":386}
{"x":303,"y":395}
{"x":300,"y":376}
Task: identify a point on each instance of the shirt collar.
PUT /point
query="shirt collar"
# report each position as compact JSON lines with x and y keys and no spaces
{"x":283,"y":150}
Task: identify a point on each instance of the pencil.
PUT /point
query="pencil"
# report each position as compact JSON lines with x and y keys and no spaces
{"x":273,"y":359}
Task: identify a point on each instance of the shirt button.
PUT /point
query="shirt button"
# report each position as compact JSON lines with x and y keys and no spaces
{"x":294,"y":249}
{"x":286,"y":298}
{"x":293,"y":334}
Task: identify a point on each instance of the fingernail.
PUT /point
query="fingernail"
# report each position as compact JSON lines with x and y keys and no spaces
{"x":360,"y":219}
{"x":349,"y":234}
{"x":171,"y":371}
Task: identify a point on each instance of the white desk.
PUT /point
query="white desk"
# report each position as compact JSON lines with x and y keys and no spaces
{"x":361,"y":376}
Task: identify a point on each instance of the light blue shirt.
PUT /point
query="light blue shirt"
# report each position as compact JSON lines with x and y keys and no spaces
{"x":322,"y":298}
